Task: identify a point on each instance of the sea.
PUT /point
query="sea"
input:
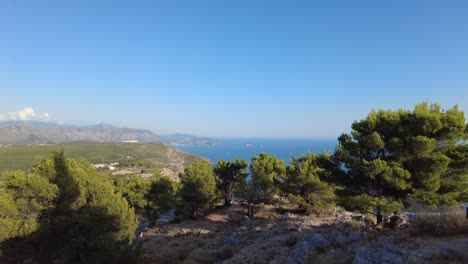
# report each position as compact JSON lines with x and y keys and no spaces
{"x":230,"y":149}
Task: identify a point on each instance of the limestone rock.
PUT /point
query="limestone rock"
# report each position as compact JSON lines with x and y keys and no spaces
{"x":287,"y":216}
{"x":396,"y":221}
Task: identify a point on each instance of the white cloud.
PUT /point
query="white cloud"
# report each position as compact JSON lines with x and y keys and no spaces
{"x":26,"y":113}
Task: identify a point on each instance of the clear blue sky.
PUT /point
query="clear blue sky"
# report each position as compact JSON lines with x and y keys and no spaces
{"x":231,"y":68}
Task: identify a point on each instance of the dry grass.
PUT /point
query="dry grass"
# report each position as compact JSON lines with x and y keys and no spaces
{"x":449,"y":222}
{"x":188,"y":250}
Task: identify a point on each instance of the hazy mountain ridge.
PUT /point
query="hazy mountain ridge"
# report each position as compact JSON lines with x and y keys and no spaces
{"x":34,"y":123}
{"x":35,"y":132}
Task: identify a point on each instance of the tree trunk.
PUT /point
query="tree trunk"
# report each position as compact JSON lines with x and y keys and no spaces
{"x":227,"y":201}
{"x":228,"y":197}
{"x":151,"y":216}
{"x":250,"y":210}
{"x":379,"y":217}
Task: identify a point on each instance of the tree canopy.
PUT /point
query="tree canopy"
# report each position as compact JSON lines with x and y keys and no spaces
{"x":134,"y":189}
{"x":197,"y":189}
{"x":228,"y":177}
{"x":64,"y":205}
{"x":392,"y":156}
{"x":305,"y":181}
{"x":266,"y":172}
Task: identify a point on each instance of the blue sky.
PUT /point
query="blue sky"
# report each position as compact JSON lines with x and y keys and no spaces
{"x":231,"y":68}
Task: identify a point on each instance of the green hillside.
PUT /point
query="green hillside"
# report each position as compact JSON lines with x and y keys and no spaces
{"x":154,"y":154}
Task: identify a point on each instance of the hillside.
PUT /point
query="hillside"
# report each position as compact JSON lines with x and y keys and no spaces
{"x":153,"y":155}
{"x":227,"y":236}
{"x":185,"y":139}
{"x":40,"y":133}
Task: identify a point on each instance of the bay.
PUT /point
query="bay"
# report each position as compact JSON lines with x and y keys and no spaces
{"x":230,"y":149}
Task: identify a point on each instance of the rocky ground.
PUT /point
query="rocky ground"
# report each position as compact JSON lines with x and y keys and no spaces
{"x":227,"y":236}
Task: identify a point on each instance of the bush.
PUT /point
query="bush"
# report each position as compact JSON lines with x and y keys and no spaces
{"x":447,"y":222}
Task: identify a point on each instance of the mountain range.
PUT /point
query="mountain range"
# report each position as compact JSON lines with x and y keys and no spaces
{"x":41,"y":132}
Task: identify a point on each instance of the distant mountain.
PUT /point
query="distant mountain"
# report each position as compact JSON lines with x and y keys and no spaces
{"x":185,"y":139}
{"x":37,"y":132}
{"x":33,"y":123}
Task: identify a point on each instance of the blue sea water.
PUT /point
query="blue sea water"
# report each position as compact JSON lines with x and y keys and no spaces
{"x":230,"y":149}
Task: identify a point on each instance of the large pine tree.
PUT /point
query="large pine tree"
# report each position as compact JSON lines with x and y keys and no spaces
{"x":391,"y":157}
{"x":66,"y":212}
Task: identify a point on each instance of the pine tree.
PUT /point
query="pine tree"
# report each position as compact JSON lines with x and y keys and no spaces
{"x":161,"y":196}
{"x":134,"y":189}
{"x":228,"y":176}
{"x":69,"y":212}
{"x":392,"y":156}
{"x":24,"y":199}
{"x":197,"y":189}
{"x":305,"y":184}
{"x":266,"y":172}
